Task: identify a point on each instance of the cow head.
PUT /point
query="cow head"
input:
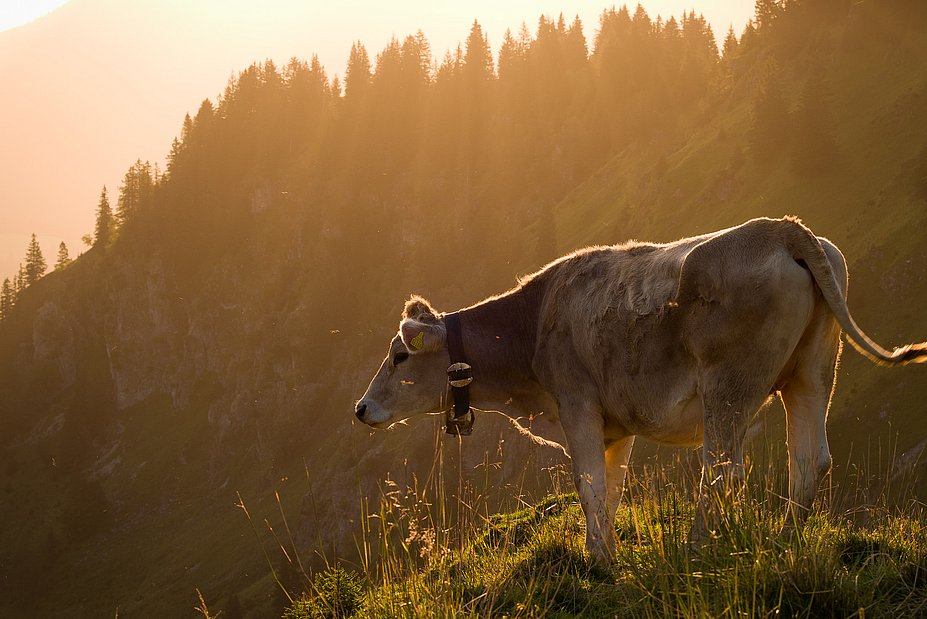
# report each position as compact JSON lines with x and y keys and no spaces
{"x":412,"y":380}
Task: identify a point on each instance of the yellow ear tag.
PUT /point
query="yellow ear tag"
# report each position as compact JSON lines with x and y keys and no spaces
{"x":418,"y":341}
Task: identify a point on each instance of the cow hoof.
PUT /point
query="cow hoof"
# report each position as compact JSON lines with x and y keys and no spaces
{"x":600,"y":561}
{"x":600,"y":555}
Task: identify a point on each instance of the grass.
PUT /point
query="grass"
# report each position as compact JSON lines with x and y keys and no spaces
{"x":428,"y":552}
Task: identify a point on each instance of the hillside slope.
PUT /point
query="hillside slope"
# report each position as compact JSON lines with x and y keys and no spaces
{"x":212,"y":353}
{"x":530,"y":563}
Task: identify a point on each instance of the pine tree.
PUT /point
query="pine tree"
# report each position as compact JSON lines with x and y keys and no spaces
{"x":729,"y":53}
{"x":179,"y":146}
{"x":477,"y":73}
{"x":35,"y":262}
{"x":729,"y":50}
{"x":749,"y":37}
{"x":63,"y":258}
{"x":388,"y":110}
{"x":415,"y":77}
{"x":19,"y":282}
{"x":516,"y":94}
{"x":443,"y":126}
{"x":135,"y":192}
{"x":478,"y":65}
{"x":308,"y":105}
{"x":576,"y":49}
{"x":766,"y":13}
{"x":614,"y":62}
{"x":640,"y":22}
{"x":355,"y":118}
{"x":104,"y":227}
{"x":357,"y":76}
{"x":7,"y":299}
{"x":175,"y":155}
{"x":511,"y":56}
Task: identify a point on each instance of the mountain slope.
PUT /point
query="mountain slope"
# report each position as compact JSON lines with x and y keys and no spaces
{"x":215,"y":348}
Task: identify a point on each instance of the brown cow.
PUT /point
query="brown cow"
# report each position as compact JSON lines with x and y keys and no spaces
{"x":679,"y":343}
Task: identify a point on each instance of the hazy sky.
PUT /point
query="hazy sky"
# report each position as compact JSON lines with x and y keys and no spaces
{"x":96,"y":84}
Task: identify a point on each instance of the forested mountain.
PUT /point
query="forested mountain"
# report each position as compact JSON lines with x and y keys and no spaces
{"x":210,"y":344}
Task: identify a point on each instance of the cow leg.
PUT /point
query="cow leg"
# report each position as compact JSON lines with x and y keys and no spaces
{"x":809,"y":455}
{"x":584,"y":432}
{"x":807,"y":398}
{"x":617,"y":454}
{"x":728,"y":411}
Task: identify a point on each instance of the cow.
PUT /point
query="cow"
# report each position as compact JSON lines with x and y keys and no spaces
{"x":680,"y":343}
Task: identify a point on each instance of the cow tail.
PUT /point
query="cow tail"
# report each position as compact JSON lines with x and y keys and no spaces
{"x":806,"y":247}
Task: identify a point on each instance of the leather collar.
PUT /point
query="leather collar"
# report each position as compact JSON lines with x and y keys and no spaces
{"x":459,"y":419}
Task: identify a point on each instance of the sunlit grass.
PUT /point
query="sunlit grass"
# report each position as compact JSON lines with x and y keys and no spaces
{"x":427,"y":553}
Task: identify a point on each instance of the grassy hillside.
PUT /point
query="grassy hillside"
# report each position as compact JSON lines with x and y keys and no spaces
{"x":530,"y":562}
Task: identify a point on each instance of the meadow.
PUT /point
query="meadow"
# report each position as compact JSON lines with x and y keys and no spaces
{"x":433,"y":549}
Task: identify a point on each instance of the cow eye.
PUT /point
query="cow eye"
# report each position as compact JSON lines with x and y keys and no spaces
{"x":399,"y":357}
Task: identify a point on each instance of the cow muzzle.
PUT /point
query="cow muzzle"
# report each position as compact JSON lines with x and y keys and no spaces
{"x":371,"y":413}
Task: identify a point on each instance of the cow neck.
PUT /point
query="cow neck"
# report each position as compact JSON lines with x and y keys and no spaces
{"x":459,"y":373}
{"x":499,"y":336}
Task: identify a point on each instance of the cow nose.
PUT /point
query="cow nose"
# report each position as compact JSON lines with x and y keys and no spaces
{"x":360,"y":410}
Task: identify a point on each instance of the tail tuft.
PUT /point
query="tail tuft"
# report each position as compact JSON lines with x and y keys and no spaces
{"x":911,"y":353}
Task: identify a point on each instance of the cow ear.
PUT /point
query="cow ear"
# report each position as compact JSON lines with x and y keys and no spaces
{"x":418,"y":307}
{"x":422,"y":336}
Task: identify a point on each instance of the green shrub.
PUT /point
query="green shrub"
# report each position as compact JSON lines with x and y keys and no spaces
{"x":336,"y":593}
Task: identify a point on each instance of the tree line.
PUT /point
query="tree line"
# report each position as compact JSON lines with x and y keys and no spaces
{"x":490,"y":142}
{"x":31,"y":269}
{"x":134,"y":193}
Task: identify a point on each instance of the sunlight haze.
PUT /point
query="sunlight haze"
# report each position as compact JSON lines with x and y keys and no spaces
{"x":431,"y":309}
{"x":15,"y":13}
{"x":97,"y":84}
